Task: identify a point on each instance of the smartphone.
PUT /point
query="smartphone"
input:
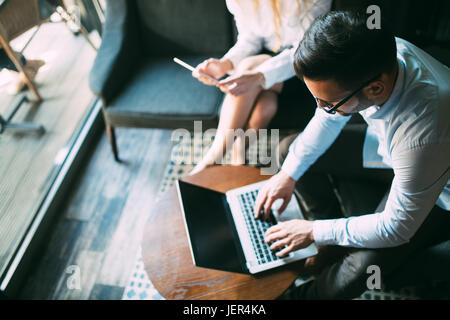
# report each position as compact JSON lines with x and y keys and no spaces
{"x":189,"y":67}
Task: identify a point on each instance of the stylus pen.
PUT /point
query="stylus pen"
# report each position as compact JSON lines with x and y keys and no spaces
{"x":189,"y":67}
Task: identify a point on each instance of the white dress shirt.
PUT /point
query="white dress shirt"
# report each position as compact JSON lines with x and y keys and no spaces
{"x":256,"y":31}
{"x":409,"y":133}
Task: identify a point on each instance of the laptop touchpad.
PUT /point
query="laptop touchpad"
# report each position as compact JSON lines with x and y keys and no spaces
{"x":291,"y":212}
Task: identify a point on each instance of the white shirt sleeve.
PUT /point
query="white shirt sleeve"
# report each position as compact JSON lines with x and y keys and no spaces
{"x":248,"y":43}
{"x":318,"y":136}
{"x":420,"y":176}
{"x":278,"y":68}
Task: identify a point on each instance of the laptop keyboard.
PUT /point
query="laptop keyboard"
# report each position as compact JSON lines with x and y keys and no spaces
{"x":256,"y":228}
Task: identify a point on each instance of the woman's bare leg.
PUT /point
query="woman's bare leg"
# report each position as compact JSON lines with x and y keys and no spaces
{"x":265,"y":108}
{"x":234,"y":115}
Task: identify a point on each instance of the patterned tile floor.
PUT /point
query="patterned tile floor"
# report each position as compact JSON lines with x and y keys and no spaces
{"x":139,"y":286}
{"x":183,"y":158}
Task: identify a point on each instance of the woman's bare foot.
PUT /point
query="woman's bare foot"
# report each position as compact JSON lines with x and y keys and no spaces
{"x":212,"y":157}
{"x":199,"y":167}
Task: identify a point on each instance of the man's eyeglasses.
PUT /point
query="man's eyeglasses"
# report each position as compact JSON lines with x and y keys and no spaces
{"x":328,"y":107}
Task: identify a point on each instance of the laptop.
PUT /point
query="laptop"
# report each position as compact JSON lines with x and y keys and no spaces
{"x":223,"y":233}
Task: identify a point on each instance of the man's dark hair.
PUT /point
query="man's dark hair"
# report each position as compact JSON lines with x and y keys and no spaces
{"x":339,"y":46}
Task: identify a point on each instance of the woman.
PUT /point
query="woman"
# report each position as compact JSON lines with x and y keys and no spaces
{"x":256,"y":79}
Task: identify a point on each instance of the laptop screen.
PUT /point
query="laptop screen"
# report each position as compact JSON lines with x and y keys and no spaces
{"x":213,"y":236}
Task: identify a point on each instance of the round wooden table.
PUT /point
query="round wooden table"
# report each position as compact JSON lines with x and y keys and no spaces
{"x":167,"y":257}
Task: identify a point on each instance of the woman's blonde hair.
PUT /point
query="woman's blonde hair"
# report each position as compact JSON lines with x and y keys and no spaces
{"x":276,"y":8}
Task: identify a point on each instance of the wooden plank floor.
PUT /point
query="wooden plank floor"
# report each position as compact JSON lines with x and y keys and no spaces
{"x":27,"y":161}
{"x":100,"y":226}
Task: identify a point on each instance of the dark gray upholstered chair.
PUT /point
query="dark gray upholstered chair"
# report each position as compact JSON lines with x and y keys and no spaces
{"x":134,"y":74}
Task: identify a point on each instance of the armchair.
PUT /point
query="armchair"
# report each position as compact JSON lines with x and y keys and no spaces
{"x":135,"y":76}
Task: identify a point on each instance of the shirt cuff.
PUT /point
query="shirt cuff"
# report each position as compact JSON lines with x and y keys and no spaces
{"x":275,"y":71}
{"x":323,"y":232}
{"x":234,"y":60}
{"x":292,"y":167}
{"x":270,"y":77}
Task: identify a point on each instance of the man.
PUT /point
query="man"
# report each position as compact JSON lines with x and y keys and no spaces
{"x":404,"y":96}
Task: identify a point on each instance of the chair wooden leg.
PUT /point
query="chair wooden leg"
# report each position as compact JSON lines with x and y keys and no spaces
{"x":112,"y":139}
{"x":15,"y":60}
{"x":65,"y":16}
{"x":86,"y":36}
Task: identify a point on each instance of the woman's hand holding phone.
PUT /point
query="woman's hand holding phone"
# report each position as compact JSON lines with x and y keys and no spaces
{"x":213,"y":67}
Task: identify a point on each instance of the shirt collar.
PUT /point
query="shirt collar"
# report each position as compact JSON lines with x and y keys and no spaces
{"x":388,"y":107}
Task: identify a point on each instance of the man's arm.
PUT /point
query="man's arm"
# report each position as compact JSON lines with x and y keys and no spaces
{"x":420,"y":176}
{"x":319,"y":134}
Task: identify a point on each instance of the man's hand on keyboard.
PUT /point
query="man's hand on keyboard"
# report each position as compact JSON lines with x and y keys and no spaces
{"x":292,"y":235}
{"x":280,"y":186}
